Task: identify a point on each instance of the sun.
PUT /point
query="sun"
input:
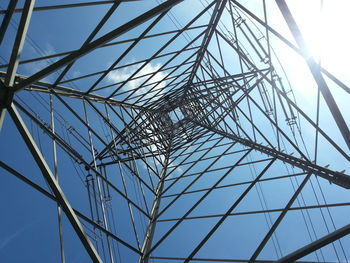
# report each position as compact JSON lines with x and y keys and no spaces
{"x":324,"y":25}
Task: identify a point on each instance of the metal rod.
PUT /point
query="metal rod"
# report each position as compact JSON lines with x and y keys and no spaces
{"x":279,"y":219}
{"x":147,"y":243}
{"x":54,"y":152}
{"x":96,"y":43}
{"x":101,"y":201}
{"x":315,"y":70}
{"x":292,"y":257}
{"x":40,"y":160}
{"x":196,"y":204}
{"x":19,"y":42}
{"x":223,"y":218}
{"x":337,"y":178}
{"x":79,"y":214}
{"x":7,"y":18}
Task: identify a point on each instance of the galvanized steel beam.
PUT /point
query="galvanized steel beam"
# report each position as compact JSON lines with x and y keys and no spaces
{"x":97,"y":43}
{"x":55,"y":187}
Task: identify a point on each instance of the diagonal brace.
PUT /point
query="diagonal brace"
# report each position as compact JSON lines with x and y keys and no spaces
{"x":331,"y":237}
{"x":97,"y":43}
{"x":55,"y":187}
{"x":316,"y":71}
{"x":335,"y":177}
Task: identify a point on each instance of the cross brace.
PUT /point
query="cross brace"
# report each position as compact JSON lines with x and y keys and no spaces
{"x":335,"y":177}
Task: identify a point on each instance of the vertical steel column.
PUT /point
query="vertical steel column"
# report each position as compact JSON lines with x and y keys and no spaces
{"x":129,"y":204}
{"x":111,"y":257}
{"x":54,"y":151}
{"x":147,"y":243}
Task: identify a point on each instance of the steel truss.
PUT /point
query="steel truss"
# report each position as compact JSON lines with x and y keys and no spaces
{"x":180,"y":143}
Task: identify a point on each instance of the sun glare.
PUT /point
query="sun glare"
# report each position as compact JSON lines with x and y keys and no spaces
{"x":324,"y":28}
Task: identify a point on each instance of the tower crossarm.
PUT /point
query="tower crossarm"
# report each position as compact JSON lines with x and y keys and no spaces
{"x":335,"y":177}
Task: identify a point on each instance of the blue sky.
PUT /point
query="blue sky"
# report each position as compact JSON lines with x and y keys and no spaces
{"x":29,"y":226}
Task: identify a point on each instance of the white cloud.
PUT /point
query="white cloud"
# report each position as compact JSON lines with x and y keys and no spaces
{"x":6,"y":240}
{"x":124,"y":73}
{"x":11,"y":238}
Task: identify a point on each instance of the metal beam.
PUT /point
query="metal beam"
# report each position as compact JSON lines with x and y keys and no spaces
{"x":189,"y":211}
{"x":147,"y":243}
{"x":315,"y":70}
{"x":223,"y":218}
{"x":6,"y":20}
{"x":297,"y":208}
{"x":164,"y":46}
{"x":55,"y":187}
{"x":337,"y":178}
{"x":289,"y":101}
{"x":98,"y":42}
{"x":292,"y":257}
{"x":2,"y":117}
{"x":288,"y":43}
{"x":6,"y":88}
{"x":214,"y":20}
{"x":89,"y":39}
{"x":84,"y":4}
{"x":127,"y":51}
{"x":45,"y":87}
{"x":52,"y":197}
{"x":109,"y":44}
{"x":19,"y":42}
{"x":178,"y":259}
{"x":279,"y":219}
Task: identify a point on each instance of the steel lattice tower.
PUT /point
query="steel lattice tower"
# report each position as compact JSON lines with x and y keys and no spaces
{"x":170,"y":131}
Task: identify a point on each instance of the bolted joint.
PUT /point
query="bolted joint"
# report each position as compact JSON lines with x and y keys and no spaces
{"x":6,"y":96}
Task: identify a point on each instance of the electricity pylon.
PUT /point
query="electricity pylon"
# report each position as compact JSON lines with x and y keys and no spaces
{"x":176,"y":136}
